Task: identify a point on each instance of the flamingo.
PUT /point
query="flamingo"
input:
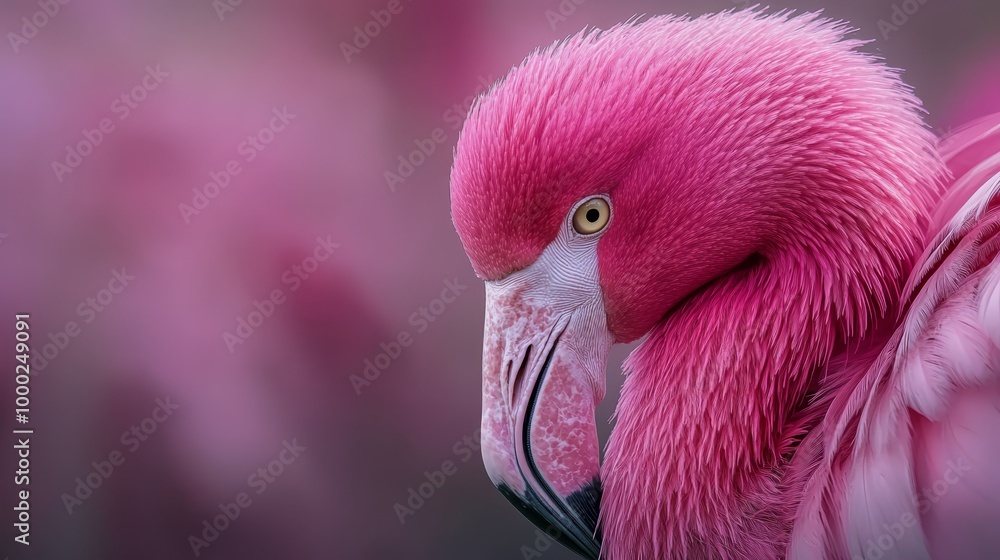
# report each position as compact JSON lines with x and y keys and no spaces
{"x":816,"y":278}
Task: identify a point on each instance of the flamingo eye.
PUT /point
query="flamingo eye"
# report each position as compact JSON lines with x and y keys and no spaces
{"x":591,"y":216}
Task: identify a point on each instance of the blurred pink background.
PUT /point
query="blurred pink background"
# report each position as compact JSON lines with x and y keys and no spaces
{"x":115,"y":114}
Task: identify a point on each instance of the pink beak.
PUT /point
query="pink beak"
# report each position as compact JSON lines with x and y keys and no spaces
{"x":544,"y":359}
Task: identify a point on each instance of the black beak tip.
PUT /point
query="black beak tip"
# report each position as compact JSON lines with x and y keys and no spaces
{"x":583,"y":538}
{"x":586,"y":502}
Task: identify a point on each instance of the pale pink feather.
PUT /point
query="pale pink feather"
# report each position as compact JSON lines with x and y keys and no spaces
{"x":903,"y":473}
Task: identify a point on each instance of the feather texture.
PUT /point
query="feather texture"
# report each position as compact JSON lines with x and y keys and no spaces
{"x":901,"y":475}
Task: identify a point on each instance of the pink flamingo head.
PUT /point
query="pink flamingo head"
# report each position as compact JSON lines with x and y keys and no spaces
{"x":608,"y":179}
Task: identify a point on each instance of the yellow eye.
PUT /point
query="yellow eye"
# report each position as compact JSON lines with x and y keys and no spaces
{"x":591,"y":216}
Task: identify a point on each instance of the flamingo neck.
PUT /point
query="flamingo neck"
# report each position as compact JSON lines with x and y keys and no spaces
{"x":711,"y":409}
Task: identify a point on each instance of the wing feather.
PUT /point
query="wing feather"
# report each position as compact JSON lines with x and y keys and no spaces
{"x":922,"y":409}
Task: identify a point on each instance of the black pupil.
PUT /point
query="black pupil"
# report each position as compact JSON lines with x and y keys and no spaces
{"x":593,"y":214}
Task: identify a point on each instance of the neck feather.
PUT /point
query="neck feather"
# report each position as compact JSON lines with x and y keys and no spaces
{"x":718,"y":396}
{"x":707,"y":413}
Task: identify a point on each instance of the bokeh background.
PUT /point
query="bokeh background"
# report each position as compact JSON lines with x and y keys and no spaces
{"x":182,"y":89}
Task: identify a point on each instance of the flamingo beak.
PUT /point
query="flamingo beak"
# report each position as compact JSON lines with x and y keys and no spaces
{"x":544,"y":360}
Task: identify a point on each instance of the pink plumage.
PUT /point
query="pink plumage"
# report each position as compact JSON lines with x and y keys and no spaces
{"x":817,"y":279}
